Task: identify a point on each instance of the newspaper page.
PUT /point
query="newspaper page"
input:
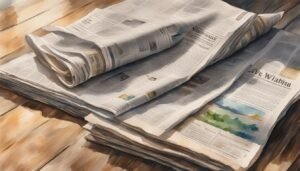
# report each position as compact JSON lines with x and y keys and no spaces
{"x":112,"y":37}
{"x":163,"y":113}
{"x":234,"y":128}
{"x":238,"y":124}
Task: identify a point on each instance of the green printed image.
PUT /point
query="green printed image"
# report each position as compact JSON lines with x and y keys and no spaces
{"x":126,"y":97}
{"x":230,"y":116}
{"x":240,"y":109}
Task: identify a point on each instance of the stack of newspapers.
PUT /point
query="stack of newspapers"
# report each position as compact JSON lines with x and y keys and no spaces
{"x":170,"y":81}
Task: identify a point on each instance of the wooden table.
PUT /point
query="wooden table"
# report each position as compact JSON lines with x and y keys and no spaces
{"x":34,"y":136}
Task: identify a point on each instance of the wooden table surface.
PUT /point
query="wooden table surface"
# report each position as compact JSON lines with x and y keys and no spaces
{"x":34,"y":136}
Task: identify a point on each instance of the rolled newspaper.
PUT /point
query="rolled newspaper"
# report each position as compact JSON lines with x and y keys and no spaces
{"x":110,"y":38}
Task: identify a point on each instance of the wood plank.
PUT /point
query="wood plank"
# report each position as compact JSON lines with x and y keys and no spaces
{"x":20,"y":122}
{"x":88,"y":156}
{"x":21,"y":11}
{"x":281,"y":142}
{"x":9,"y":101}
{"x":287,"y":157}
{"x":289,"y":16}
{"x":266,"y":6}
{"x":40,"y":146}
{"x":295,"y":165}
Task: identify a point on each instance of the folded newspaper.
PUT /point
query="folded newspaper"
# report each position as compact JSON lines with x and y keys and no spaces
{"x":129,"y":31}
{"x":229,"y":132}
{"x":114,"y":93}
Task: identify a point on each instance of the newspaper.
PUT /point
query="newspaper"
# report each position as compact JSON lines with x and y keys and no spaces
{"x":173,"y":70}
{"x":149,"y":148}
{"x":253,"y":105}
{"x":133,"y":144}
{"x":115,"y":92}
{"x":129,"y":31}
{"x":165,"y":112}
{"x":234,"y":128}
